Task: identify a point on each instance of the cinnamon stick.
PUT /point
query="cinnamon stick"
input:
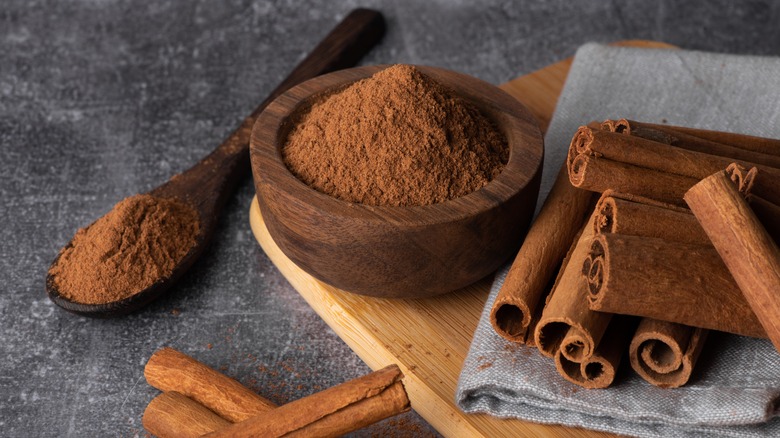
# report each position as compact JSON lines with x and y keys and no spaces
{"x":664,"y":353}
{"x":762,"y":145}
{"x":653,"y":155}
{"x":748,"y":251}
{"x":600,"y":369}
{"x":671,"y":345}
{"x":173,"y":415}
{"x":543,"y":250}
{"x":598,"y":174}
{"x":623,"y":213}
{"x":367,"y":399}
{"x":170,"y":370}
{"x":566,"y":322}
{"x":669,"y":281}
{"x":679,"y":138}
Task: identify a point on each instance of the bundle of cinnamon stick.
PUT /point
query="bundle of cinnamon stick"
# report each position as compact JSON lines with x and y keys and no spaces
{"x":199,"y":401}
{"x":642,"y":274}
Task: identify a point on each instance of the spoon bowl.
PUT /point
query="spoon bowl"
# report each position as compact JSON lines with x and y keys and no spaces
{"x":135,"y":301}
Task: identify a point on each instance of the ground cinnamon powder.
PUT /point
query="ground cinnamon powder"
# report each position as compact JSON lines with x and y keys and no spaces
{"x":396,"y":138}
{"x":134,"y":245}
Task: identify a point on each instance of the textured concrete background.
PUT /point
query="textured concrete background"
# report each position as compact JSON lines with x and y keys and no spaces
{"x":103,"y":99}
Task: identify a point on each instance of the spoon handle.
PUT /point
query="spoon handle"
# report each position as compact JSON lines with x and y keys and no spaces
{"x":208,"y":183}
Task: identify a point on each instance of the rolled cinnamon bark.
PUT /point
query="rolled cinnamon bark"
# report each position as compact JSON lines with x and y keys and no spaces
{"x":653,"y":155}
{"x":367,"y":399}
{"x":537,"y":261}
{"x":743,"y":177}
{"x":762,"y":145}
{"x":748,"y":251}
{"x":658,"y":347}
{"x":669,"y":281}
{"x":623,"y":213}
{"x":599,"y":174}
{"x":566,"y":322}
{"x":600,"y":369}
{"x":664,"y":353}
{"x":170,"y":370}
{"x":679,"y":138}
{"x":173,"y":415}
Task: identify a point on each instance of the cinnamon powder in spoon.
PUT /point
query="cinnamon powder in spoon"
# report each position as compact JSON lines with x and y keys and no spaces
{"x":136,"y":244}
{"x":396,"y":138}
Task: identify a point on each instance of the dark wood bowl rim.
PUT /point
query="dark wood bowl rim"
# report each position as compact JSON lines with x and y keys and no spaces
{"x":508,"y":183}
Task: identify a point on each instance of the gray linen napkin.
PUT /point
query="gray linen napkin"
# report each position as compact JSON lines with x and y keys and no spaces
{"x":736,"y":386}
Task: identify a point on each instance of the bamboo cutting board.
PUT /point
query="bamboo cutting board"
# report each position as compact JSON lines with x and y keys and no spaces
{"x":428,"y":338}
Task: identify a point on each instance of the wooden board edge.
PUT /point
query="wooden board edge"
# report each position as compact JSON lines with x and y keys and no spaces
{"x":444,"y":420}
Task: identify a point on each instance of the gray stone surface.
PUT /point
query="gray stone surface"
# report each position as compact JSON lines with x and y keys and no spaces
{"x":103,"y":99}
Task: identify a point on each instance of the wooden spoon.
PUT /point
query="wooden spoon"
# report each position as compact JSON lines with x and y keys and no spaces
{"x":207,"y":185}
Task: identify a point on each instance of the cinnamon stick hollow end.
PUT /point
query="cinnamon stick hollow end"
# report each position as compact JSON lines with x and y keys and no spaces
{"x":578,"y":167}
{"x":510,"y":318}
{"x":593,"y":269}
{"x":579,"y":143}
{"x":595,"y":373}
{"x":665,"y":353}
{"x":600,"y":368}
{"x":578,"y":344}
{"x":549,"y":336}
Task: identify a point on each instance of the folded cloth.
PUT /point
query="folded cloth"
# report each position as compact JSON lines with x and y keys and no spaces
{"x":736,"y":386}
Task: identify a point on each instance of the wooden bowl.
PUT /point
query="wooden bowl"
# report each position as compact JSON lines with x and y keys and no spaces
{"x":398,"y":252}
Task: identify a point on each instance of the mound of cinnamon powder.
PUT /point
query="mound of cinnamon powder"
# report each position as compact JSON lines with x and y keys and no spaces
{"x":134,"y":245}
{"x":396,"y":138}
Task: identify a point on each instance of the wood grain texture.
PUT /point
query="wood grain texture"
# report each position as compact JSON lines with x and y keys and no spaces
{"x":428,"y":338}
{"x":391,"y":251}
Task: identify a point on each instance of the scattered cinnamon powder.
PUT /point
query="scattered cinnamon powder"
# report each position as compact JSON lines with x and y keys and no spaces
{"x":396,"y":138}
{"x":401,"y":426}
{"x":134,"y":245}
